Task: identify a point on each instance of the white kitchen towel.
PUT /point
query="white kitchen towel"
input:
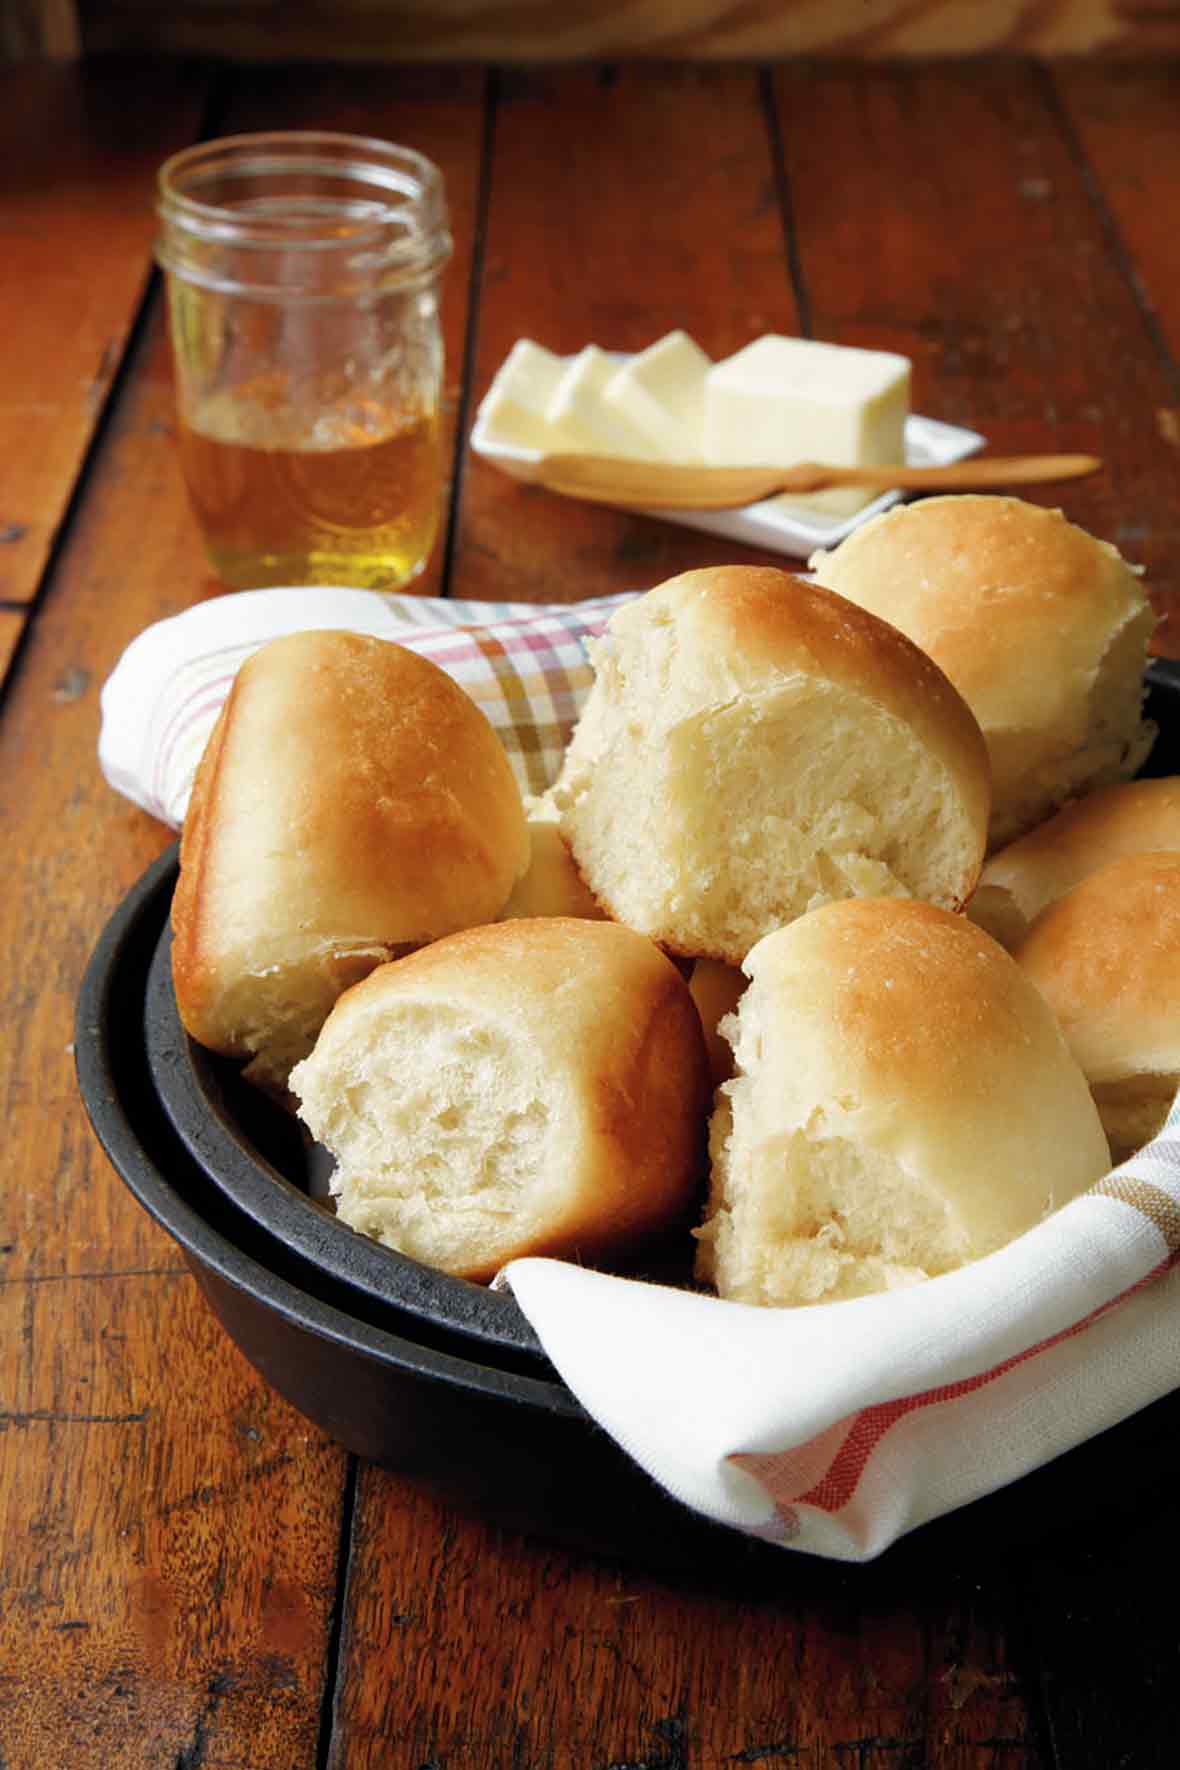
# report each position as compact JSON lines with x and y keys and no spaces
{"x":833,"y":1429}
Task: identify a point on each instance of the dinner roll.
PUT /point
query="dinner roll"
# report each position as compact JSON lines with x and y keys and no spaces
{"x":903,"y":1103}
{"x":1106,"y":958}
{"x":753,"y":746}
{"x":552,"y":884}
{"x":1017,"y":883}
{"x":351,"y":802}
{"x":534,"y":1087}
{"x":716,"y":988}
{"x":1041,"y":628}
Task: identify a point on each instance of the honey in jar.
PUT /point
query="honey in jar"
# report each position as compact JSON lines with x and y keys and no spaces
{"x":349,"y":505}
{"x":303,"y":273}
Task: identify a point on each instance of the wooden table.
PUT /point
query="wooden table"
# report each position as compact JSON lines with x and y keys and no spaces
{"x":191,"y":1574}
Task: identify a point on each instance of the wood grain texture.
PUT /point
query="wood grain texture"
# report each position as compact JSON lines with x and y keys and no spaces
{"x":170,"y":1532}
{"x":1127,"y":125}
{"x":603,"y":229}
{"x":39,"y":29}
{"x":80,"y":152}
{"x":946,"y":214}
{"x":470,"y":1649}
{"x":12,"y":625}
{"x":130,"y":557}
{"x":428,"y":30}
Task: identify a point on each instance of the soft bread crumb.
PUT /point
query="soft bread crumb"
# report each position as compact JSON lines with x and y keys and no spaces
{"x":903,"y":1102}
{"x":753,"y":747}
{"x":535,"y":1086}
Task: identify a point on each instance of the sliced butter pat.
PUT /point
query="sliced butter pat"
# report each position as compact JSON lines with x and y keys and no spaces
{"x":577,"y":408}
{"x":514,"y":408}
{"x":661,"y":392}
{"x":782,"y":400}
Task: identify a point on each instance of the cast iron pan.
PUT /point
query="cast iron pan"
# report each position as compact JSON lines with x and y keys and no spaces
{"x":409,"y":1377}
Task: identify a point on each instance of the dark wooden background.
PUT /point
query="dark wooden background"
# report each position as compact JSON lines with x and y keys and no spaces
{"x":190,"y":1574}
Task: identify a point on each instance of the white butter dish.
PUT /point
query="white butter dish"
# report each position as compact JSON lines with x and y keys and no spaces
{"x":781,"y":525}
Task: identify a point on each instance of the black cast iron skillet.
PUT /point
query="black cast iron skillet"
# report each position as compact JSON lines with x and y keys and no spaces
{"x":417,"y":1377}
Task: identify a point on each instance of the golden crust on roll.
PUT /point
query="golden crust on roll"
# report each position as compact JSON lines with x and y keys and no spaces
{"x":753,"y":746}
{"x":351,"y":802}
{"x":534,"y":1087}
{"x":552,"y":884}
{"x":903,"y":1102}
{"x":1106,"y":958}
{"x":716,"y":988}
{"x":1017,"y":883}
{"x":1042,"y":628}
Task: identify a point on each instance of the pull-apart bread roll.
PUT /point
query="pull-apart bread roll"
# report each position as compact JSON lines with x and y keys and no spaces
{"x":716,"y":988}
{"x":552,"y":884}
{"x":753,"y":746}
{"x":903,"y":1103}
{"x":351,"y":802}
{"x":1106,"y":958}
{"x":1042,"y":628}
{"x":1017,"y":883}
{"x":534,"y":1087}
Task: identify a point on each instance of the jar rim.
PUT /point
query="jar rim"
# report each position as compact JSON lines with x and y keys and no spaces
{"x":395,"y":207}
{"x":382,"y":163}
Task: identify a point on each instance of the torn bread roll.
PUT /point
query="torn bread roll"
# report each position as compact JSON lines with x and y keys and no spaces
{"x":351,"y":802}
{"x":534,"y":1087}
{"x":1042,"y":628}
{"x":903,"y":1103}
{"x":753,"y":746}
{"x":1017,"y":883}
{"x":1106,"y":958}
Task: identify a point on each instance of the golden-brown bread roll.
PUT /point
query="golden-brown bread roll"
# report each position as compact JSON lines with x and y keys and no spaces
{"x":716,"y":988}
{"x":351,"y":802}
{"x":1042,"y":628}
{"x":903,"y":1103}
{"x":552,"y":884}
{"x":1132,"y":817}
{"x":534,"y":1087}
{"x":1106,"y":958}
{"x":752,"y":746}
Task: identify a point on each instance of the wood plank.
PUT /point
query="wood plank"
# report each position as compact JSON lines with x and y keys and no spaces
{"x":80,"y":151}
{"x":693,"y":239}
{"x":430,"y":30}
{"x":36,"y":28}
{"x":1127,"y":121}
{"x":472,"y":1648}
{"x":170,"y":1531}
{"x":1041,"y":345}
{"x":12,"y":625}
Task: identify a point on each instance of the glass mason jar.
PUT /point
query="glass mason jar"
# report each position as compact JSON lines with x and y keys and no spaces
{"x":303,"y":275}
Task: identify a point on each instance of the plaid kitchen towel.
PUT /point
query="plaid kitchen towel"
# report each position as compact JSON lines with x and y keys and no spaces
{"x":833,"y":1429}
{"x":525,"y":666}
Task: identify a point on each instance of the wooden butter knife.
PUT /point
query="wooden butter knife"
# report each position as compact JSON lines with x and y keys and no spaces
{"x":676,"y":485}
